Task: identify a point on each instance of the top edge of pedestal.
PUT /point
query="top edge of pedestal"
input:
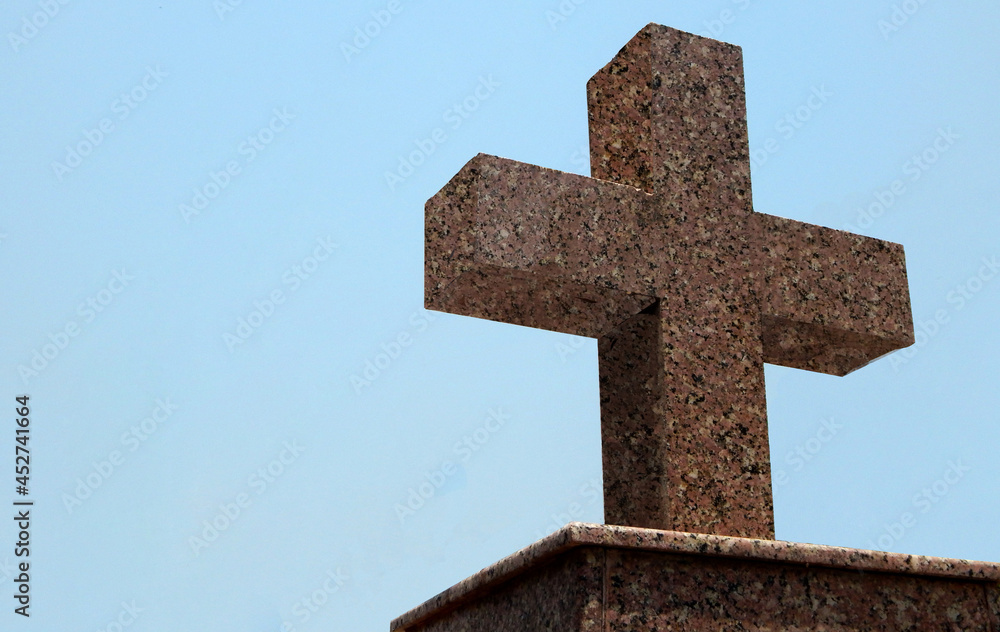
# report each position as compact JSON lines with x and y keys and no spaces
{"x":577,"y":534}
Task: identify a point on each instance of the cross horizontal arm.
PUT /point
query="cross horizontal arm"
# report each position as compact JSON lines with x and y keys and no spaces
{"x":521,"y":244}
{"x":832,"y":301}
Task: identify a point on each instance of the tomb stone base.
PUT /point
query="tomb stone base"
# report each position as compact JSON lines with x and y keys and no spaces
{"x":602,"y":578}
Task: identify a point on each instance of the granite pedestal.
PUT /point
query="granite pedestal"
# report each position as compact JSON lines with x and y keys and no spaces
{"x":601,"y":578}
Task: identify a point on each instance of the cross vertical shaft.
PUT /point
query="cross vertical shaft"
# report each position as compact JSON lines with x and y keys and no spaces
{"x":683,"y":409}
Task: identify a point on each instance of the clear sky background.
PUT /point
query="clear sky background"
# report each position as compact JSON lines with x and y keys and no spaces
{"x":123,"y":310}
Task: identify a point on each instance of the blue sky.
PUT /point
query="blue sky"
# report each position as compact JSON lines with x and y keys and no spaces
{"x":203,"y":255}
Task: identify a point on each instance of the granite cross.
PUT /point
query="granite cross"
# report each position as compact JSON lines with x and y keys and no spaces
{"x":661,"y":257}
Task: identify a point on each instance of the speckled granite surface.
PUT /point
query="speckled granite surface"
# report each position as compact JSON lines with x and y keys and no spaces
{"x":689,"y":291}
{"x":609,"y":578}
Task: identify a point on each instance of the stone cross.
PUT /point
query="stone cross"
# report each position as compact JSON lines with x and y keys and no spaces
{"x":661,"y":257}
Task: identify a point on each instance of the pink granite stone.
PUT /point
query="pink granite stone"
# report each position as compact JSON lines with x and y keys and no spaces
{"x":993,"y":598}
{"x":668,"y":116}
{"x":575,"y":605}
{"x":687,"y":289}
{"x":608,"y":578}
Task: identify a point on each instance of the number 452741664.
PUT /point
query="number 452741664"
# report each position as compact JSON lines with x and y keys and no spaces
{"x":21,"y":452}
